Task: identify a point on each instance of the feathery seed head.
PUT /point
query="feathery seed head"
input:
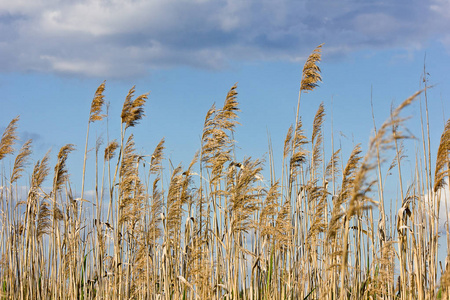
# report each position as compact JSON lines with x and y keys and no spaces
{"x":61,"y":174}
{"x":133,"y":110}
{"x":157,"y":156}
{"x":110,"y":150}
{"x":442,"y":159}
{"x":40,"y":171}
{"x":97,"y":104}
{"x":8,"y":138}
{"x":311,"y":72}
{"x":21,"y":161}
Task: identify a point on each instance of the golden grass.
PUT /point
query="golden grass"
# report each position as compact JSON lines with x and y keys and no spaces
{"x":217,"y":229}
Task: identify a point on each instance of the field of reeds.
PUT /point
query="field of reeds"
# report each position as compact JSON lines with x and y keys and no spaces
{"x":219,"y":228}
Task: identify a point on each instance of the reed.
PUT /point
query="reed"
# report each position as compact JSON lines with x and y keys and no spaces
{"x":217,"y":228}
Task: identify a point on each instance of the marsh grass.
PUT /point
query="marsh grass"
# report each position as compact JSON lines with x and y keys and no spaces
{"x":218,"y":229}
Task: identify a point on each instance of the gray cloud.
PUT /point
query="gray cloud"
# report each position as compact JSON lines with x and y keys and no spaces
{"x":118,"y":38}
{"x":26,"y":135}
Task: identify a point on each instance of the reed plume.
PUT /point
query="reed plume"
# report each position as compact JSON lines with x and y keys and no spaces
{"x":94,"y":115}
{"x":311,"y":72}
{"x":299,"y":154}
{"x":269,"y":211}
{"x":44,"y":220}
{"x":20,"y":162}
{"x":174,"y":205}
{"x":348,"y":178}
{"x":216,"y":142}
{"x":8,"y":138}
{"x":157,"y":157}
{"x":227,"y":116}
{"x":287,"y":142}
{"x":131,"y":197}
{"x":442,"y":159}
{"x":284,"y":227}
{"x":61,"y":173}
{"x":316,"y":139}
{"x":332,"y":166}
{"x":310,"y":76}
{"x":154,"y":231}
{"x":40,"y":171}
{"x":110,"y":150}
{"x":245,"y":196}
{"x":97,"y":104}
{"x":133,"y":110}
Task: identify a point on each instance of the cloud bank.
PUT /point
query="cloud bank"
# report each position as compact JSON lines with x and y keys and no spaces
{"x":121,"y":38}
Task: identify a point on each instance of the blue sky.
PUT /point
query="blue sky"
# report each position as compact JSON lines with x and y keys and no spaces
{"x":188,"y":53}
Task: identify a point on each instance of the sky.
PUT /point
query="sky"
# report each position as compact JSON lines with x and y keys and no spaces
{"x":188,"y":53}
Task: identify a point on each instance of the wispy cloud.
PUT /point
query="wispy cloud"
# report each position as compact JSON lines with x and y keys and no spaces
{"x":443,"y":195}
{"x":119,"y":38}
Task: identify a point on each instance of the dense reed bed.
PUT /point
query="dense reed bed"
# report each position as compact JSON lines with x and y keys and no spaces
{"x":219,"y":229}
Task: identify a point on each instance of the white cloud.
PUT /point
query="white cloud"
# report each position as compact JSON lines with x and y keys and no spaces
{"x":443,"y":195}
{"x":444,"y":209}
{"x":118,"y":38}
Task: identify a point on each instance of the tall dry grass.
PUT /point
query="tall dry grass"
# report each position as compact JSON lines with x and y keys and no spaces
{"x":219,"y":230}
